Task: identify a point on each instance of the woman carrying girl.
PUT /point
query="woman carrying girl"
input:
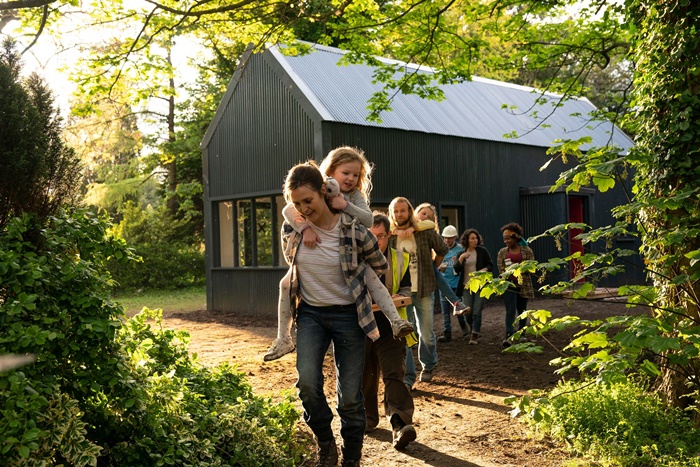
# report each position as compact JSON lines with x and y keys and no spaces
{"x":349,"y":171}
{"x":332,"y":306}
{"x":475,"y":258}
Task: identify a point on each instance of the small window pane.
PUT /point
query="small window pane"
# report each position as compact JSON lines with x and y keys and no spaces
{"x":226,"y":234}
{"x":245,"y":233}
{"x":263,"y":227}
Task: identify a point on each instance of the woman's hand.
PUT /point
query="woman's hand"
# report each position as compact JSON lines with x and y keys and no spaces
{"x":464,"y":256}
{"x":310,"y":238}
{"x":339,"y":202}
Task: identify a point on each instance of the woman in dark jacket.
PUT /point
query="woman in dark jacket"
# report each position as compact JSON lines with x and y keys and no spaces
{"x":475,"y":258}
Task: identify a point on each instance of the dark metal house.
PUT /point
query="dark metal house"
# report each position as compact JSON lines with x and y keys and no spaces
{"x":280,"y":110}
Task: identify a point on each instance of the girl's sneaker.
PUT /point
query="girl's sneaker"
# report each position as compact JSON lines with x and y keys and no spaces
{"x":401,"y":328}
{"x":474,"y":339}
{"x":461,"y":309}
{"x":279,"y":348}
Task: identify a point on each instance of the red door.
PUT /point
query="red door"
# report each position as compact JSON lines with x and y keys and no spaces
{"x":575,"y":215}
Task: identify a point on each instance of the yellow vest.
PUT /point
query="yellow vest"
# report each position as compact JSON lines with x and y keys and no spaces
{"x":399,"y":266}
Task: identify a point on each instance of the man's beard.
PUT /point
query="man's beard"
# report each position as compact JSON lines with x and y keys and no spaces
{"x":404,"y":224}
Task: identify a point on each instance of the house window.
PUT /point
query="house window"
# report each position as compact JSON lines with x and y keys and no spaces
{"x":226,"y":234}
{"x":249,"y":232}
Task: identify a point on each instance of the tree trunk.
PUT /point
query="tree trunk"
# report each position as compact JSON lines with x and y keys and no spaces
{"x":667,"y":54}
{"x":172,"y":166}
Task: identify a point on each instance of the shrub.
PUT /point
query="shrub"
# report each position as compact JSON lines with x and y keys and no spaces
{"x":109,"y":391}
{"x":617,"y":424}
{"x":167,"y":261}
{"x":161,"y":266}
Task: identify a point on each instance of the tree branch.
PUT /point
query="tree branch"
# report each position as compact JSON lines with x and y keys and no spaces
{"x":23,"y":4}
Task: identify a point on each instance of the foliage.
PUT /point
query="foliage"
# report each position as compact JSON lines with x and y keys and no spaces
{"x":166,"y":260}
{"x":613,"y":424}
{"x":39,"y":172}
{"x":104,"y":390}
{"x":161,"y":266}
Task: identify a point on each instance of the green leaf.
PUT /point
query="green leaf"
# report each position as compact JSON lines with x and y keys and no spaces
{"x":604,"y":183}
{"x":650,"y":368}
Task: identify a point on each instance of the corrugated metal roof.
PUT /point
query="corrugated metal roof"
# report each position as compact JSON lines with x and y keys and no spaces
{"x":472,"y":109}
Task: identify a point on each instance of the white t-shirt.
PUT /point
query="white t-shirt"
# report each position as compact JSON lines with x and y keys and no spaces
{"x":321,"y":279}
{"x":409,"y":246}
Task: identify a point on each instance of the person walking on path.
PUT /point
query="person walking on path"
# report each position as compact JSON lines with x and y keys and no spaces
{"x":451,"y":276}
{"x":387,"y":355}
{"x":420,"y":245}
{"x":474,"y":258}
{"x":515,"y":298}
{"x":332,"y":306}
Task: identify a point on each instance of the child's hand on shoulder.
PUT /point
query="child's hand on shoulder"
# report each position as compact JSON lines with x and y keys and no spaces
{"x":310,"y":238}
{"x":338,"y":202}
{"x":404,"y":233}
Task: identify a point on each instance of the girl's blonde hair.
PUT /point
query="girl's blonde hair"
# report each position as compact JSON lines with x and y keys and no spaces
{"x":343,"y":155}
{"x":433,"y":211}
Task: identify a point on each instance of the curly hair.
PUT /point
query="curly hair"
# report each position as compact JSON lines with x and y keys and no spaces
{"x":343,"y":155}
{"x":513,"y":227}
{"x":464,"y":239}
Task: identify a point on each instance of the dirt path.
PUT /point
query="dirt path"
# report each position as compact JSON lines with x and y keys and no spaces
{"x":460,"y":416}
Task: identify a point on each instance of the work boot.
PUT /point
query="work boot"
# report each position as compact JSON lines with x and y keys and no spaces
{"x":403,"y":436}
{"x":445,"y":337}
{"x":349,"y":463}
{"x":327,"y":454}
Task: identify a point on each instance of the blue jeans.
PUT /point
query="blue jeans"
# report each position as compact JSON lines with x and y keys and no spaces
{"x":476,"y":302}
{"x":515,"y":305}
{"x":316,"y":329}
{"x":422,"y":320}
{"x":447,"y":310}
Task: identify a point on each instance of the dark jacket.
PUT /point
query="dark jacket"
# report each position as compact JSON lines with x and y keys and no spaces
{"x":483,"y":260}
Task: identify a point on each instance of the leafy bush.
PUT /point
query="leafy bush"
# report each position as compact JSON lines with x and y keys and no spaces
{"x":617,"y":424}
{"x":161,"y":266}
{"x":167,"y":260}
{"x":109,"y":391}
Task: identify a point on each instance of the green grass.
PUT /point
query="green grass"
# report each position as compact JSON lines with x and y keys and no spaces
{"x":171,"y":301}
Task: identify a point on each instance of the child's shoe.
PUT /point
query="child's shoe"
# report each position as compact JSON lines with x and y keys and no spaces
{"x":279,"y":348}
{"x":401,"y":328}
{"x":461,"y":309}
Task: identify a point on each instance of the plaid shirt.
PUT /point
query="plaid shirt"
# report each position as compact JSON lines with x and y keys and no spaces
{"x":358,"y":250}
{"x":525,"y":281}
{"x":427,"y":241}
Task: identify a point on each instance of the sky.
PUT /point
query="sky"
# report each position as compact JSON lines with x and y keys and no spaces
{"x":52,"y":57}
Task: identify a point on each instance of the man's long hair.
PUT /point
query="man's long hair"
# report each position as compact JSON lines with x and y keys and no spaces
{"x":412,"y":214}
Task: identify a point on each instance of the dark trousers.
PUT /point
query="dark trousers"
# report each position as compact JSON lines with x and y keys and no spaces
{"x":386,"y":355}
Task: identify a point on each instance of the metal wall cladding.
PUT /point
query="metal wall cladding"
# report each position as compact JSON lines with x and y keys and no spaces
{"x":262,"y":133}
{"x":249,"y":291}
{"x":540,"y":212}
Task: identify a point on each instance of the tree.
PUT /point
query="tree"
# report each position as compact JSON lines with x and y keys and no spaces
{"x":39,"y":173}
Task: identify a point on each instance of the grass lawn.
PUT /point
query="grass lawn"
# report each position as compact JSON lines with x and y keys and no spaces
{"x":171,"y":301}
